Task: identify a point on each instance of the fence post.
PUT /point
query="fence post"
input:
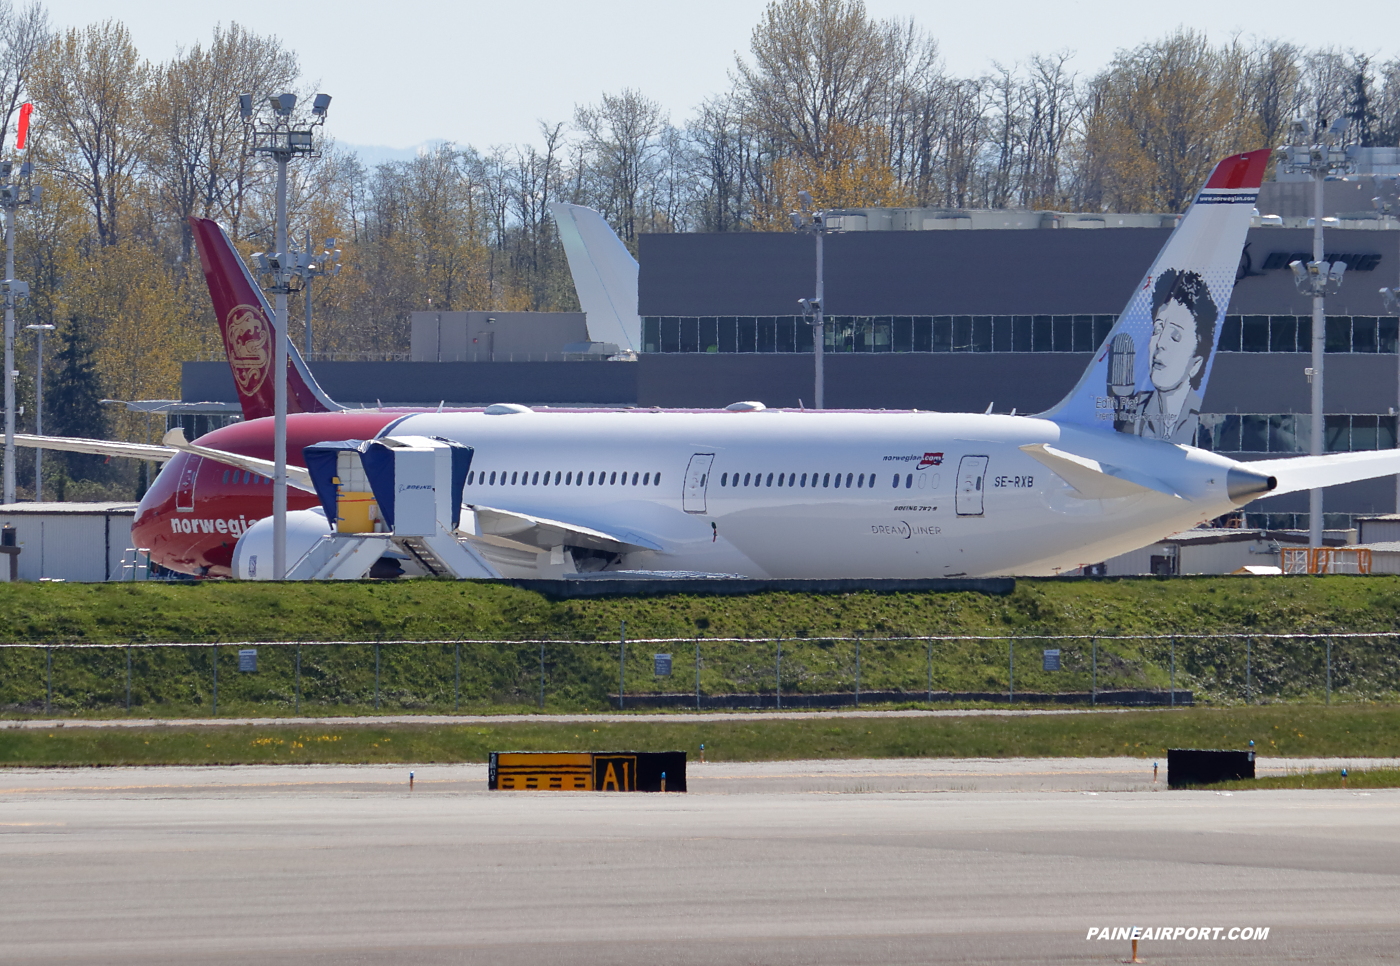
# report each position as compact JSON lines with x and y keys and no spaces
{"x":621,"y":663}
{"x":857,"y":672}
{"x":541,"y":675}
{"x":1247,"y":671}
{"x":1329,"y":671}
{"x":930,"y":672}
{"x":376,"y":676}
{"x":1094,"y":673}
{"x":1011,"y":670}
{"x":697,"y":674}
{"x":1173,"y":699}
{"x":298,"y":702}
{"x":214,"y":711}
{"x":778,"y":679}
{"x":457,"y":681}
{"x":48,"y":678}
{"x":128,"y":679}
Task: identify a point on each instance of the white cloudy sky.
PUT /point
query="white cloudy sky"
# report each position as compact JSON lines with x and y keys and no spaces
{"x":408,"y":71}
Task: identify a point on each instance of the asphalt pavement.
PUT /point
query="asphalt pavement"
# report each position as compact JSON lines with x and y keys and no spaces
{"x":861,"y":862}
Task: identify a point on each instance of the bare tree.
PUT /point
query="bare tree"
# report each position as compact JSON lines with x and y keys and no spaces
{"x":23,"y":33}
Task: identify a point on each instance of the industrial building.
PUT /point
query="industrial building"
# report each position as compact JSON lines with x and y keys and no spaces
{"x":69,"y":541}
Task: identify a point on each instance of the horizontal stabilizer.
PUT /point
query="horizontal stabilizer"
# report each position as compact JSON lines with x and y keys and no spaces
{"x":1094,"y":480}
{"x":297,"y":476}
{"x":1312,"y":472}
{"x":97,"y":447}
{"x":521,"y":531}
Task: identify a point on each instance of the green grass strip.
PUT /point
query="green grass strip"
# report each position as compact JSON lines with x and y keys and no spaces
{"x":1356,"y":779}
{"x":1278,"y":730}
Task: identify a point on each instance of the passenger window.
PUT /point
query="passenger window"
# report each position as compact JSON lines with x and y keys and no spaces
{"x":909,"y":481}
{"x":569,"y":480}
{"x":770,"y":480}
{"x":226,"y":472}
{"x":634,"y":479}
{"x":826,"y":480}
{"x":848,"y":480}
{"x":534,"y":480}
{"x":746,"y":479}
{"x":838,"y":481}
{"x":860,"y":481}
{"x":656,"y":480}
{"x":780,"y":478}
{"x":724,"y":479}
{"x":612,"y":481}
{"x":590,"y":479}
{"x":557,"y":474}
{"x":646,"y":480}
{"x":804,"y":480}
{"x":512,"y":478}
{"x":896,"y":481}
{"x":546,"y":478}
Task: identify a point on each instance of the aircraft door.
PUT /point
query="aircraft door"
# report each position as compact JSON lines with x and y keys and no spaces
{"x":184,"y":493}
{"x":697,"y":478}
{"x":972,"y":477}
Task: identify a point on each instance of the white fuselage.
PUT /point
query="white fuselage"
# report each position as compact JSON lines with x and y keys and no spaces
{"x":919,"y":494}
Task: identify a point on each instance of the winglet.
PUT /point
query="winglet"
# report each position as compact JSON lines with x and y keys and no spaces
{"x":605,"y":275}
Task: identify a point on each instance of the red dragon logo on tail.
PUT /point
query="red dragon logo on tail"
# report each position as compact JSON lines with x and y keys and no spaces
{"x":249,"y":345}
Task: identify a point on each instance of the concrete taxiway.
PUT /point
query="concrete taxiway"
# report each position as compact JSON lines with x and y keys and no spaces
{"x":908,"y":861}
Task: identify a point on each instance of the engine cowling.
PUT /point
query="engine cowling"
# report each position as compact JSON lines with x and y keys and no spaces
{"x":252,"y":555}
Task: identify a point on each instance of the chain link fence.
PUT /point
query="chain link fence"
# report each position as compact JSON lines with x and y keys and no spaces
{"x":473,"y":676}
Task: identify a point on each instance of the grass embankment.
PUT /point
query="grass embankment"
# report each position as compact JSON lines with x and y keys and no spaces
{"x":1277,"y":730}
{"x":340,"y":679}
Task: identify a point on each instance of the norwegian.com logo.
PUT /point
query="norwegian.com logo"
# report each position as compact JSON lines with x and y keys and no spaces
{"x":925,"y":461}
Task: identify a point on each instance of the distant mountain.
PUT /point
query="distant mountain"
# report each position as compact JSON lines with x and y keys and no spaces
{"x":375,"y":154}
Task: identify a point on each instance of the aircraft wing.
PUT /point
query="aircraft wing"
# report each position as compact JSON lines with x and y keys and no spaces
{"x":1095,"y":480}
{"x":297,"y":476}
{"x":522,"y":531}
{"x":97,"y":447}
{"x":1310,"y":472}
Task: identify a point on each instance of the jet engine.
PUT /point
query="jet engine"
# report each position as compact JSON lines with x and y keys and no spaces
{"x":252,"y":555}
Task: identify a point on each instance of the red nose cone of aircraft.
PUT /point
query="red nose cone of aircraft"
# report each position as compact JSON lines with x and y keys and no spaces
{"x":191,"y":517}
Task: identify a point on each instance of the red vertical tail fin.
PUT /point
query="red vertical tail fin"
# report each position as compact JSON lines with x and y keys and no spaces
{"x":243,"y":316}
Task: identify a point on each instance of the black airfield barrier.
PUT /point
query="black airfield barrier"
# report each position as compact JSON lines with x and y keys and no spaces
{"x":1191,"y":766}
{"x":587,"y":771}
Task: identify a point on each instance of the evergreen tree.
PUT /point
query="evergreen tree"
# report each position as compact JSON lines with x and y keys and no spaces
{"x":73,"y":403}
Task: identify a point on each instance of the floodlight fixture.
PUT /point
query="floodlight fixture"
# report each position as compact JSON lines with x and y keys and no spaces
{"x":320,"y":104}
{"x":798,"y":221}
{"x":1336,"y":271}
{"x":1299,"y":270}
{"x":26,"y":170}
{"x":1338,"y":130}
{"x":245,"y":106}
{"x":283,"y":104}
{"x":804,"y":198}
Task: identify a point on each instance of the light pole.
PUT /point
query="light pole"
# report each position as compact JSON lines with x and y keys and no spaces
{"x":41,"y":329}
{"x":1319,"y":160}
{"x":280,"y":140}
{"x":813,"y":309}
{"x":12,"y":195}
{"x":307,"y":267}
